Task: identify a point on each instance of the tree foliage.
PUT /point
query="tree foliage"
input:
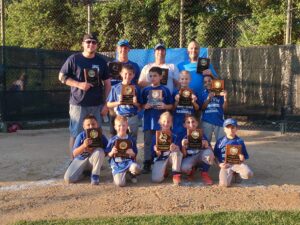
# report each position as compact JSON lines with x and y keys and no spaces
{"x":60,"y":24}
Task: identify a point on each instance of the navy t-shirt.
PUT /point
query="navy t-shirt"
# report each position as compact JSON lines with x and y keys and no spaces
{"x":74,"y":68}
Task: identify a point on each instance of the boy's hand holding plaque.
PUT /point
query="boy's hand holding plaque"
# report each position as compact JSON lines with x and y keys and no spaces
{"x":194,"y":139}
{"x":91,"y":76}
{"x":95,"y":135}
{"x":232,"y":154}
{"x":165,"y":75}
{"x":114,"y":69}
{"x":217,"y":86}
{"x":122,"y":146}
{"x":185,"y":97}
{"x":202,"y":64}
{"x":163,"y":141}
{"x":127,"y":94}
{"x":155,"y":97}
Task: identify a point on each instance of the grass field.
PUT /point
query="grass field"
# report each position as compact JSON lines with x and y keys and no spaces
{"x":264,"y":217}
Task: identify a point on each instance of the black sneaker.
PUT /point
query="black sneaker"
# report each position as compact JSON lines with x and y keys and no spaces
{"x":146,"y":169}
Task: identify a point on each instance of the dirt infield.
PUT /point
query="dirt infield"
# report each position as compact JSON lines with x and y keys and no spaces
{"x":32,"y":164}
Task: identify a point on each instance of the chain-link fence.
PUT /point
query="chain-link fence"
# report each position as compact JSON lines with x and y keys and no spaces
{"x":59,"y":24}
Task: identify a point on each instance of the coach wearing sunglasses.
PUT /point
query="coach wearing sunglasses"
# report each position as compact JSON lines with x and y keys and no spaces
{"x":87,"y":93}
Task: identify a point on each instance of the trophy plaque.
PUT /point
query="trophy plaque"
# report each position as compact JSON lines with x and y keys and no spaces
{"x":232,"y":154}
{"x":114,"y":69}
{"x":165,"y":74}
{"x":163,"y":140}
{"x":155,"y":97}
{"x":202,"y":64}
{"x":96,"y":135}
{"x":185,"y":97}
{"x":122,"y":146}
{"x":194,"y":139}
{"x":217,"y":86}
{"x":127,"y":94}
{"x":91,"y":76}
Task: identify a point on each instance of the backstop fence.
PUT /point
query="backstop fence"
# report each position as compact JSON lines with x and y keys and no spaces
{"x":263,"y":84}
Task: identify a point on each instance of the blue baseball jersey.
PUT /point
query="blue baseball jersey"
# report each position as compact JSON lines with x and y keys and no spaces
{"x":137,"y":72}
{"x":191,"y":152}
{"x":164,"y":155}
{"x":74,"y":68}
{"x":214,"y":112}
{"x":151,"y":116}
{"x":220,"y":147}
{"x":123,"y":110}
{"x":120,"y":165}
{"x":179,"y":115}
{"x":196,"y":83}
{"x":79,"y":141}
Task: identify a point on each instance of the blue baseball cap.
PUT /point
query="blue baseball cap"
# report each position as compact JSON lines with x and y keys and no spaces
{"x":124,"y":42}
{"x":159,"y":45}
{"x":230,"y":121}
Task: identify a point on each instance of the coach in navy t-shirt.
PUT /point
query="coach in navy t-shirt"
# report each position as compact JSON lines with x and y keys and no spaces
{"x":85,"y":98}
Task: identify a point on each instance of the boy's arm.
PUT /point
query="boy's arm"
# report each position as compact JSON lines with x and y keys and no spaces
{"x":83,"y":147}
{"x":224,"y":94}
{"x":207,"y":101}
{"x":112,"y":104}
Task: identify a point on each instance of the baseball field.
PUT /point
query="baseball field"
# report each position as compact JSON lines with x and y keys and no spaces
{"x":33,"y":162}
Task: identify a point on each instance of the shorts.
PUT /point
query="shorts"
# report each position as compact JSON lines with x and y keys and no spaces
{"x":77,"y":113}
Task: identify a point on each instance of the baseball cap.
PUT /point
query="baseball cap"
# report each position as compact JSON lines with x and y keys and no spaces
{"x":90,"y":37}
{"x":123,"y":42}
{"x":159,"y":45}
{"x":230,"y":121}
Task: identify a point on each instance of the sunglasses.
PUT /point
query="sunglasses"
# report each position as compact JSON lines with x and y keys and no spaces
{"x":91,"y":42}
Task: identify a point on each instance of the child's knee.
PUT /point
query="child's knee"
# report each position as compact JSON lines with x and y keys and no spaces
{"x":120,"y":183}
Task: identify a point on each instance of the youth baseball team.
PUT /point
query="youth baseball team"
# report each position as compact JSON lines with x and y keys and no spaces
{"x":180,"y":112}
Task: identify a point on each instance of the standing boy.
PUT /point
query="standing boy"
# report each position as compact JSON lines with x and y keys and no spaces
{"x":129,"y":111}
{"x":85,"y":157}
{"x":153,"y":111}
{"x":213,"y":107}
{"x":226,"y":169}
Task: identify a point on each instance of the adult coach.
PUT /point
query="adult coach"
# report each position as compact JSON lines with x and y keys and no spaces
{"x":160,"y":61}
{"x":85,"y":98}
{"x":123,"y":47}
{"x":196,"y":83}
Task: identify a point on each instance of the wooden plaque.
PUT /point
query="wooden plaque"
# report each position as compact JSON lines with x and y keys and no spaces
{"x":91,"y":76}
{"x":163,"y":140}
{"x":127,"y":94}
{"x":202,"y":64}
{"x":194,"y":139}
{"x":217,"y":86}
{"x":165,"y":75}
{"x":96,"y":135}
{"x":122,"y":146}
{"x":155,"y":97}
{"x":114,"y":69}
{"x":232,"y":154}
{"x":185,"y":97}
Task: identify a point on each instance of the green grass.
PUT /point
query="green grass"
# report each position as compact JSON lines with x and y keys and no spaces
{"x":244,"y":218}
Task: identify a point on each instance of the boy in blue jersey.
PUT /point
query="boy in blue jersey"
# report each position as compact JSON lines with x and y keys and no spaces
{"x":226,"y":169}
{"x":181,"y":111}
{"x":194,"y":157}
{"x":129,"y":111}
{"x":213,"y":107}
{"x":153,"y":111}
{"x":122,"y":164}
{"x":172,"y":157}
{"x":85,"y":157}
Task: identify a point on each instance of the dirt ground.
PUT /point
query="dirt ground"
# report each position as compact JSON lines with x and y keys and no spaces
{"x":33,"y":162}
